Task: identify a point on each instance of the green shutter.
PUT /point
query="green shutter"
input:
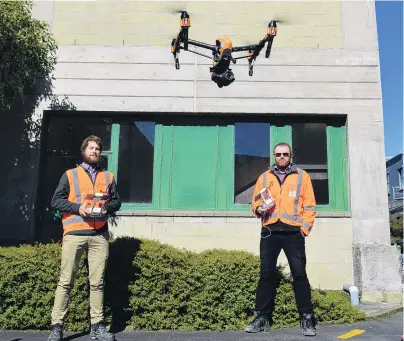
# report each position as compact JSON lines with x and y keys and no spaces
{"x":192,"y":174}
{"x":113,"y":157}
{"x":279,"y":133}
{"x":225,"y":180}
{"x":165,"y":148}
{"x":158,"y":147}
{"x":337,"y":167}
{"x":194,"y":167}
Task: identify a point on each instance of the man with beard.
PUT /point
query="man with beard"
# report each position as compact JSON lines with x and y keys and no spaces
{"x":284,"y":226}
{"x":83,"y":232}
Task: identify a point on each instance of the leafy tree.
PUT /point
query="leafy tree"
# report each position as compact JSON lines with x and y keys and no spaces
{"x":27,"y":51}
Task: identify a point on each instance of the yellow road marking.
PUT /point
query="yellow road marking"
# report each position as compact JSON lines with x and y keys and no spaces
{"x":350,"y":334}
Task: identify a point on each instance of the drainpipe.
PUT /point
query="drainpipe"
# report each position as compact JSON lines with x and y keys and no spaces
{"x":354,"y":293}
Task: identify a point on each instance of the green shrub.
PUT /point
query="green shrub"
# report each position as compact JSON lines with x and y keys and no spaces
{"x":396,"y":228}
{"x":151,"y":286}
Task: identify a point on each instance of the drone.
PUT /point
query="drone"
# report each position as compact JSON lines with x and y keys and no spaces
{"x":222,"y":51}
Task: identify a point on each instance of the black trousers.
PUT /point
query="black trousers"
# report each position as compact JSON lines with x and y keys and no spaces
{"x":293,"y":244}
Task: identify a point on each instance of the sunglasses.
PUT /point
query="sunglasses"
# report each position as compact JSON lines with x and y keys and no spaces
{"x":282,"y":154}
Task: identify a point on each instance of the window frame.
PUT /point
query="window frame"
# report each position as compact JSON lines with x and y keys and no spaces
{"x":388,"y":183}
{"x":337,"y":163}
{"x":280,"y":130}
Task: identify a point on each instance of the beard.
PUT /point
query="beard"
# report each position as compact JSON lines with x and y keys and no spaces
{"x":282,"y":165}
{"x":91,"y":161}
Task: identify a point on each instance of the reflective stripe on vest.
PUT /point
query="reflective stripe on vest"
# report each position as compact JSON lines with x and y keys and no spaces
{"x":298,"y":188}
{"x":76,"y":185}
{"x":79,"y":219}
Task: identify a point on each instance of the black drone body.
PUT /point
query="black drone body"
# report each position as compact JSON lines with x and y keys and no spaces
{"x":222,"y":51}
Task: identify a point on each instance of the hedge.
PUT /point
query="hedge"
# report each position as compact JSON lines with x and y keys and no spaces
{"x":152,"y":286}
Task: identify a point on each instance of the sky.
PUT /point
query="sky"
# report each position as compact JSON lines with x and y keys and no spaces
{"x":389,"y":16}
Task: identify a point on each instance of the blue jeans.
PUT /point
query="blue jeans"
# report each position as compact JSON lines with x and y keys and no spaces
{"x":293,"y":244}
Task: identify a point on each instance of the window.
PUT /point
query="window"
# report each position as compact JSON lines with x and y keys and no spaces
{"x":60,"y":153}
{"x":66,"y":133}
{"x":319,"y":147}
{"x":188,"y":163}
{"x":309,"y":142}
{"x":400,"y":178}
{"x":251,"y":158}
{"x":136,"y":155}
{"x":388,"y":183}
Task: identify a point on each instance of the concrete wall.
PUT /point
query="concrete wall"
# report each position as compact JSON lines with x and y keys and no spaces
{"x":329,"y":251}
{"x":155,"y":23}
{"x":324,"y":61}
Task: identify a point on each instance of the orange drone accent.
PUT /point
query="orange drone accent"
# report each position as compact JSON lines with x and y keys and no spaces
{"x":224,"y":43}
{"x":185,"y":22}
{"x":222,"y":51}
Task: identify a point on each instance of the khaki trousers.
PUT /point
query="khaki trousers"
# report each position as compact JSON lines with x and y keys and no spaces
{"x":73,"y":248}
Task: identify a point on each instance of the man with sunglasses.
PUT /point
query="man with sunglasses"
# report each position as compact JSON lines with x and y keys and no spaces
{"x":284,"y":226}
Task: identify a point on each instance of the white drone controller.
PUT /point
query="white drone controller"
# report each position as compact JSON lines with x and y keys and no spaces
{"x":268,"y":200}
{"x":95,"y":207}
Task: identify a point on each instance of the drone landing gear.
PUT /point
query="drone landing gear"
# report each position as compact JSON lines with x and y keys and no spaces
{"x":250,"y":67}
{"x":174,"y":51}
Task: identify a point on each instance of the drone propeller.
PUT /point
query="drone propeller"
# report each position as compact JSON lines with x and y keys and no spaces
{"x":279,"y":19}
{"x":177,"y":11}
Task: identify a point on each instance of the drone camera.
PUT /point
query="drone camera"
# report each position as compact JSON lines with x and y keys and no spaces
{"x":222,"y":75}
{"x":223,"y":79}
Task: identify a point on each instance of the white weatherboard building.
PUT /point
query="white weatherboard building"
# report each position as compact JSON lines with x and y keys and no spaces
{"x":186,"y":153}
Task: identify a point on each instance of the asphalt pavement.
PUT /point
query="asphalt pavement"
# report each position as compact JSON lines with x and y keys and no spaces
{"x":383,"y":329}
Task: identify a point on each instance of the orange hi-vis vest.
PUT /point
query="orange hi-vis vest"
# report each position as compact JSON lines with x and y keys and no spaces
{"x":295,"y":203}
{"x":80,"y":185}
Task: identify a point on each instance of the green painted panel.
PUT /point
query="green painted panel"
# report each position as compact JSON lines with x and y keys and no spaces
{"x":230,"y":158}
{"x":165,"y":166}
{"x":337,"y":167}
{"x":279,"y":133}
{"x":194,"y":167}
{"x":113,"y":156}
{"x":225,"y":178}
{"x":158,"y":143}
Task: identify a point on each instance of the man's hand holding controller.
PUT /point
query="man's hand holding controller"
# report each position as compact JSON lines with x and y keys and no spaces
{"x":262,"y":209}
{"x":268,"y":202}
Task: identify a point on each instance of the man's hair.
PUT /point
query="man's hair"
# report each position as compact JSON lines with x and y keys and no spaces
{"x":93,"y":138}
{"x":284,"y":144}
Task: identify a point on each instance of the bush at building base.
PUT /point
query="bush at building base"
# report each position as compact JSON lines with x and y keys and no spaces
{"x":151,"y":286}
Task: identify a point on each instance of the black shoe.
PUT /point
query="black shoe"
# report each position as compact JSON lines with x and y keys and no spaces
{"x":56,"y":333}
{"x":99,"y":332}
{"x":308,"y":324}
{"x":261,"y":323}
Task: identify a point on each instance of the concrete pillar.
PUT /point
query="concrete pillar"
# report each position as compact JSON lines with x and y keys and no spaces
{"x":376,"y":266}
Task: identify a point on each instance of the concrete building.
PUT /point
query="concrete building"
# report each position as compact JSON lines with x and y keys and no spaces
{"x":187,"y":154}
{"x":394,"y":168}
